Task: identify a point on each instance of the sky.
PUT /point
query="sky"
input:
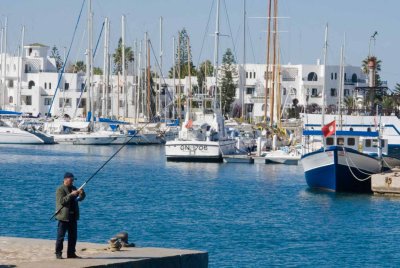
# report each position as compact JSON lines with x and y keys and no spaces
{"x":301,"y":30}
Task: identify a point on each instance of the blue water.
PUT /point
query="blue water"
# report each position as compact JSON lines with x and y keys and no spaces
{"x":243,"y":215}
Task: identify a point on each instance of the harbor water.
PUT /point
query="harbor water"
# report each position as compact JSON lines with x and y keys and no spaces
{"x":243,"y":215}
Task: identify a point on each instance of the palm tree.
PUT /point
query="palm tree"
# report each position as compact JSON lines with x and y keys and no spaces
{"x":117,"y":56}
{"x":377,"y":68}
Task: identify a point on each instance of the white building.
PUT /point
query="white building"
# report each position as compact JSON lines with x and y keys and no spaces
{"x":30,"y":83}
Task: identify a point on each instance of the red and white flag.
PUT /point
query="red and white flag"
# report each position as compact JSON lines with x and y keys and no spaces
{"x":329,"y":129}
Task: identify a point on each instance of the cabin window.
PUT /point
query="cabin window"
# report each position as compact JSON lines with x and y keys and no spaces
{"x":368,"y":143}
{"x":329,"y":141}
{"x":340,"y":141}
{"x":351,"y":141}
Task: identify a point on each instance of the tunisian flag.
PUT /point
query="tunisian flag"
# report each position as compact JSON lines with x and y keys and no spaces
{"x":329,"y":129}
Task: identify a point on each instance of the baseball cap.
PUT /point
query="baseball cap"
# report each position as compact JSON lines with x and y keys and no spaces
{"x":69,"y":175}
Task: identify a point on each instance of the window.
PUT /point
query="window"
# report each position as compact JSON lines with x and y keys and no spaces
{"x":66,"y":86}
{"x":293,"y":91}
{"x":368,"y":143}
{"x":47,"y":101}
{"x":247,"y":74}
{"x":335,"y":76}
{"x":329,"y":141}
{"x":251,"y":75}
{"x":346,"y":92}
{"x":10,"y":99}
{"x":340,"y":141}
{"x":83,"y":87}
{"x":331,"y":76}
{"x":284,"y":91}
{"x":49,"y":85}
{"x":31,"y":84}
{"x":10,"y":83}
{"x":82,"y":103}
{"x":26,"y":68}
{"x":65,"y":102}
{"x":28,"y":100}
{"x":354,"y":78}
{"x":254,"y":75}
{"x":333,"y":92}
{"x":250,"y":90}
{"x":121,"y":103}
{"x":45,"y":85}
{"x":351,"y":141}
{"x":312,"y":77}
{"x":263,"y":107}
{"x":314,"y":92}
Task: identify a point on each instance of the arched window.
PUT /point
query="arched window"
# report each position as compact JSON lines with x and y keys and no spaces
{"x":354,"y":78}
{"x":31,"y":84}
{"x":312,"y":77}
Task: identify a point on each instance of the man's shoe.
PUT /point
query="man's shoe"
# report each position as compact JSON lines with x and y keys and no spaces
{"x":59,"y":256}
{"x":73,"y":256}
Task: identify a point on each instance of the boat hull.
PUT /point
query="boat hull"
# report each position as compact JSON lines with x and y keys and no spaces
{"x":10,"y":135}
{"x":340,"y":170}
{"x":198,"y":151}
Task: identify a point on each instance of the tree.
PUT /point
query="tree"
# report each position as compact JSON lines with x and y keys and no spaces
{"x":377,"y":68}
{"x":97,"y":71}
{"x":227,"y":83}
{"x":117,"y":57}
{"x":349,"y":103}
{"x":54,"y":53}
{"x":206,"y":69}
{"x":182,"y":57}
{"x":78,"y":66}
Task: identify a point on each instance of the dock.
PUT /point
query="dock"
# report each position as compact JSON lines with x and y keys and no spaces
{"x":387,"y":183}
{"x":39,"y":253}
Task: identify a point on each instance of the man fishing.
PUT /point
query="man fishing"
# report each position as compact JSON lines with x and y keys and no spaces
{"x":67,"y":197}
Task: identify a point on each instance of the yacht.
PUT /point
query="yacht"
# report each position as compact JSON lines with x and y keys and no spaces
{"x":14,"y":132}
{"x":201,"y":138}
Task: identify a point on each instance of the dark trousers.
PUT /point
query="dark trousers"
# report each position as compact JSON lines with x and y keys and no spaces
{"x":72,"y":228}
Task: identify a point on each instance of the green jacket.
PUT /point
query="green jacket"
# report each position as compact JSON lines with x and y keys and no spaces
{"x":63,"y":201}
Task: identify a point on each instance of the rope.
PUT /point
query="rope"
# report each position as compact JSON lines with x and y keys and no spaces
{"x":355,"y":164}
{"x":367,"y":178}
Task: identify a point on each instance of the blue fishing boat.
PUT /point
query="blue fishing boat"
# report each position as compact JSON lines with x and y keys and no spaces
{"x":340,"y":164}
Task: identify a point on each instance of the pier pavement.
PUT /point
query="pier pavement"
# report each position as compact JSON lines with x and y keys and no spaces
{"x":39,"y":253}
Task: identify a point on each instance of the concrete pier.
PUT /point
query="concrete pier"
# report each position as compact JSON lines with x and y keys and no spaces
{"x":387,"y":183}
{"x":39,"y":253}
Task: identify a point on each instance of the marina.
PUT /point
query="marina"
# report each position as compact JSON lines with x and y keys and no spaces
{"x":256,"y":136}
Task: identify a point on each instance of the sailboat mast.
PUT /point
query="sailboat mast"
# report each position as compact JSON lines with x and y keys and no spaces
{"x":267,"y":64}
{"x":342,"y":81}
{"x":179,"y":76}
{"x":20,"y":64}
{"x":216,"y":55}
{"x":174,"y":75}
{"x":124,"y":68}
{"x":105,"y":67}
{"x":189,"y":102}
{"x":148,"y":78}
{"x":139,"y":82}
{"x":161,"y":64}
{"x":324,"y":87}
{"x":89,"y":57}
{"x":4,"y":69}
{"x":244,"y":57}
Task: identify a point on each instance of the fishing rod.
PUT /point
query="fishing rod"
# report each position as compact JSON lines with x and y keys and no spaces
{"x":104,"y":164}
